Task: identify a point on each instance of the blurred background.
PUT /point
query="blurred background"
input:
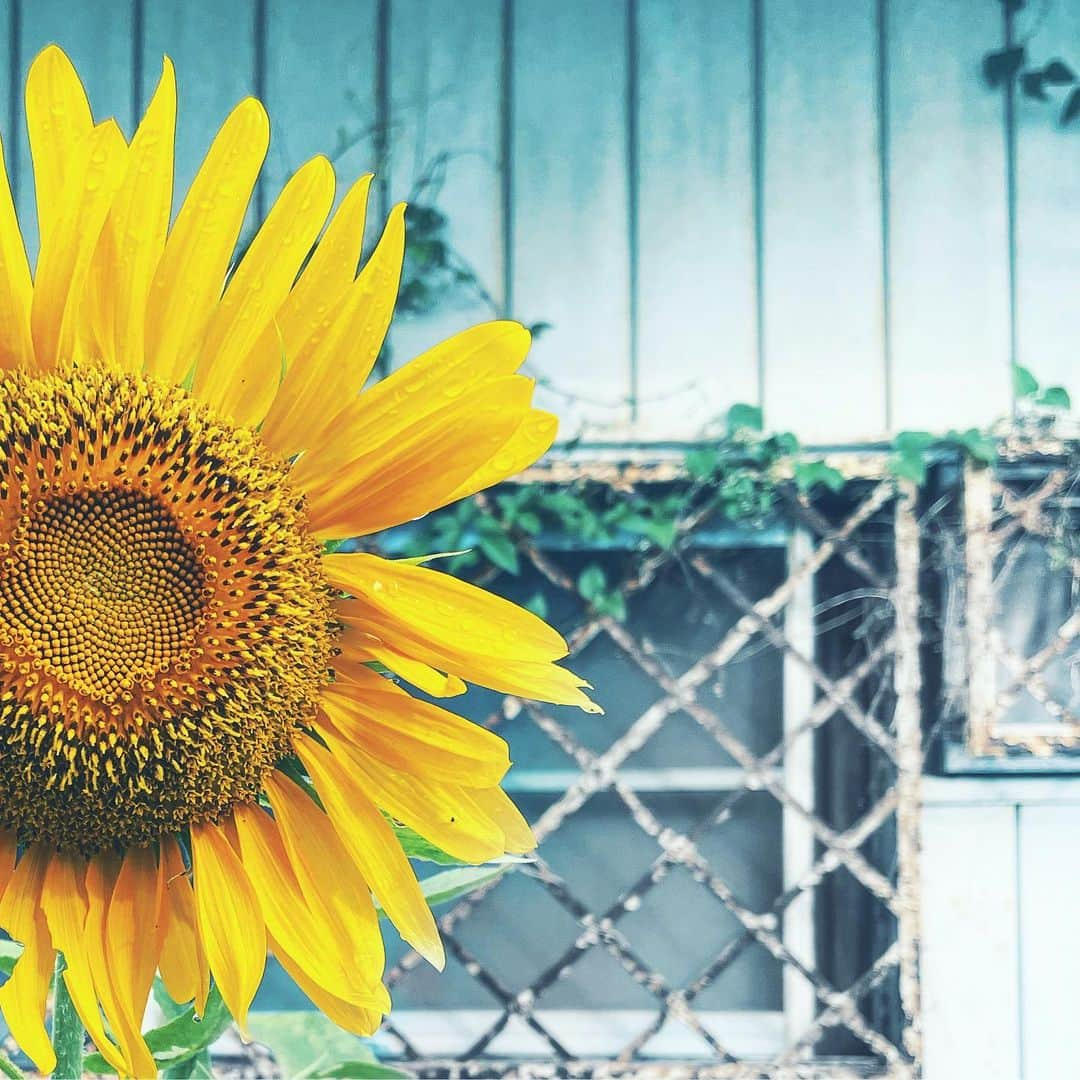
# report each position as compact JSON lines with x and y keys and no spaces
{"x":802,"y":279}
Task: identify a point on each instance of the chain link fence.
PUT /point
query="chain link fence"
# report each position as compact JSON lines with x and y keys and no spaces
{"x":726,"y":882}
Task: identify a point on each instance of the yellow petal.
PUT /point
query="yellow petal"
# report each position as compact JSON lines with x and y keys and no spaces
{"x":403,"y":475}
{"x":132,"y":938}
{"x":183,"y":963}
{"x":22,"y":997}
{"x":533,"y":438}
{"x":335,"y":891}
{"x":230,"y":926}
{"x":63,"y":902}
{"x":439,"y":620}
{"x":374,"y":849}
{"x":309,"y":311}
{"x":236,"y":382}
{"x":95,"y":173}
{"x":319,"y":384}
{"x":188,"y":281}
{"x":58,"y":119}
{"x":358,"y":1019}
{"x":493,"y":801}
{"x":439,"y":812}
{"x":289,"y":921}
{"x":16,"y":348}
{"x":441,"y":607}
{"x":9,"y":846}
{"x":359,"y":648}
{"x":102,"y":873}
{"x":134,"y":234}
{"x":429,"y":382}
{"x":415,"y":735}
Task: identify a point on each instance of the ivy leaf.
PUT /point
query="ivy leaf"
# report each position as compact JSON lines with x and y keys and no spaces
{"x":908,"y":466}
{"x":499,"y":549}
{"x":1071,"y":110}
{"x":912,"y":442}
{"x":538,"y":605}
{"x":1058,"y":73}
{"x":809,"y":473}
{"x":613,"y":604}
{"x":181,"y":1038}
{"x":529,"y":522}
{"x":1055,"y":397}
{"x":1001,"y":66}
{"x":979,"y":446}
{"x":592,"y":583}
{"x":662,"y":532}
{"x":1033,"y":85}
{"x":701,"y":463}
{"x":1025,"y":384}
{"x":743,"y":417}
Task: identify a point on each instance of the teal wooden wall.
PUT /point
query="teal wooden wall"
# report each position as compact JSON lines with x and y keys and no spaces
{"x":814,"y":206}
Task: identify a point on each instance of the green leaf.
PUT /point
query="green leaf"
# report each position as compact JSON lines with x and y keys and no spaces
{"x":701,"y":463}
{"x":181,"y":1038}
{"x":914,"y":441}
{"x":908,"y":466}
{"x":448,"y":885}
{"x":538,"y":605}
{"x":528,"y":522}
{"x":358,"y":1070}
{"x":499,"y":549}
{"x":592,"y":582}
{"x":663,"y":533}
{"x":1055,"y":397}
{"x":306,"y":1042}
{"x":613,"y":604}
{"x":1025,"y":384}
{"x":416,"y":847}
{"x":977,"y":443}
{"x":743,"y":417}
{"x":809,"y":473}
{"x":10,"y":951}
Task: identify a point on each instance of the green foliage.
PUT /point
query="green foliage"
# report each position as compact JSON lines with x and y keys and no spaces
{"x":1029,"y":392}
{"x":308,"y":1045}
{"x":180,"y":1039}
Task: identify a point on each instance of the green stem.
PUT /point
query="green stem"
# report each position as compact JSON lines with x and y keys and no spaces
{"x":9,"y":1068}
{"x":68,"y":1033}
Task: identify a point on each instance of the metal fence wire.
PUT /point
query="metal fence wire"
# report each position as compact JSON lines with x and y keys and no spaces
{"x":731,"y":851}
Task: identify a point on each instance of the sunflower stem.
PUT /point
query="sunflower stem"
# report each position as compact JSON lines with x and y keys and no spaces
{"x":68,"y":1033}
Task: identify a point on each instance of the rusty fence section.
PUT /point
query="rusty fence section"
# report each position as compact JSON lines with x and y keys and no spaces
{"x":804,"y":967}
{"x":1021,"y":544}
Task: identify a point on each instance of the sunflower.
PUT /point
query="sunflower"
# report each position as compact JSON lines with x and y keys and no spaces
{"x":201,"y":755}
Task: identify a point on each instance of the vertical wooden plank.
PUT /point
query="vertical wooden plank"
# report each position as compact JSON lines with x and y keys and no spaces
{"x":697,"y":326}
{"x":98,"y":37}
{"x":570,"y":253}
{"x":212,"y":44}
{"x":800,"y":1001}
{"x":445,"y":125}
{"x":1047,"y":225}
{"x":823,"y":293}
{"x":1050,"y":959}
{"x":969,"y":945}
{"x":948,"y":222}
{"x":321,"y":64}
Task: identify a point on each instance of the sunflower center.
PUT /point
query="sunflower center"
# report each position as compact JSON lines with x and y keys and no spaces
{"x":107,"y":590}
{"x":165,"y":627}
